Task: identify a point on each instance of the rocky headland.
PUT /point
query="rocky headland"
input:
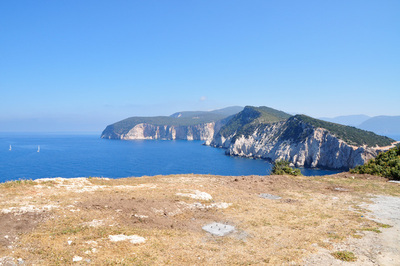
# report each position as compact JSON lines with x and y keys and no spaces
{"x":262,"y":132}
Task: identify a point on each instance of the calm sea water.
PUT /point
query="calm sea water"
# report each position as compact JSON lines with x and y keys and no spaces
{"x":88,"y":155}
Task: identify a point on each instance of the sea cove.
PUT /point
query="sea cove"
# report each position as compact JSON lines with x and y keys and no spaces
{"x":87,"y":155}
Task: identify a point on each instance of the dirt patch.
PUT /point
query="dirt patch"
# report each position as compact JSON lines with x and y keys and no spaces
{"x":12,"y":225}
{"x":163,"y":213}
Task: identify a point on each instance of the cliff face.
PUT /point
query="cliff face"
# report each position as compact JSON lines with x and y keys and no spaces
{"x":261,"y":132}
{"x":203,"y":131}
{"x":298,"y":143}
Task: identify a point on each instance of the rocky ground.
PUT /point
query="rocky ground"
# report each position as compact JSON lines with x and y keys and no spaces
{"x":201,"y":220}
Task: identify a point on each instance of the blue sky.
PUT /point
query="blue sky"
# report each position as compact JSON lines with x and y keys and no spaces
{"x":81,"y":65}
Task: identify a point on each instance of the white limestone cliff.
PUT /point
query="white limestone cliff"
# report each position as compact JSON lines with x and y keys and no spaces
{"x":317,"y":147}
{"x":204,"y":132}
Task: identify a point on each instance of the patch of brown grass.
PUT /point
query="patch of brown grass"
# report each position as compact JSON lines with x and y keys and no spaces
{"x":311,"y":212}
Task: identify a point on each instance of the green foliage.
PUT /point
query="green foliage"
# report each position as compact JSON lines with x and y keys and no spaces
{"x":245,"y":122}
{"x":187,"y":118}
{"x":344,"y":255}
{"x":125,"y":125}
{"x":350,"y":135}
{"x":386,"y":164}
{"x":282,"y":167}
{"x":16,"y":183}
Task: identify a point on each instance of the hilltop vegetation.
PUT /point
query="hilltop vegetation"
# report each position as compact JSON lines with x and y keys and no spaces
{"x":252,"y":118}
{"x":245,"y":122}
{"x":351,"y":135}
{"x":187,"y":118}
{"x":127,"y":124}
{"x":386,"y":164}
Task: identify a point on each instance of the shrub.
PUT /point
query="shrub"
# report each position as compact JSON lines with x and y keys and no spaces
{"x":282,"y":167}
{"x":386,"y":164}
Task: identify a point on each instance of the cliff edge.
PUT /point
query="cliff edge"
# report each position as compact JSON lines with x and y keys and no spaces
{"x":303,"y":141}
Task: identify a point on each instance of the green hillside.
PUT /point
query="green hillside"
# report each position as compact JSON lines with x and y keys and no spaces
{"x":186,"y":118}
{"x":351,"y":135}
{"x":386,"y":164}
{"x":127,"y":124}
{"x":245,"y":122}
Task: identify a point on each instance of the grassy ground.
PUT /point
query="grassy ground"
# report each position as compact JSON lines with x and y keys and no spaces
{"x":61,"y":220}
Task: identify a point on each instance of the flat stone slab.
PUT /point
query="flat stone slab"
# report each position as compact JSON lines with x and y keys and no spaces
{"x":269,"y":196}
{"x":219,"y":229}
{"x":196,"y":195}
{"x":134,"y":239}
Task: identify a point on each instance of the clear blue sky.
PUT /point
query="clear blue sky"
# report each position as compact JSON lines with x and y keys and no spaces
{"x":81,"y":65}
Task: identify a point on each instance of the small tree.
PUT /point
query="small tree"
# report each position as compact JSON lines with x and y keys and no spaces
{"x":282,"y":167}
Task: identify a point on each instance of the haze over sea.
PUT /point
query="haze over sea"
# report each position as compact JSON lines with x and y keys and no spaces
{"x":87,"y":155}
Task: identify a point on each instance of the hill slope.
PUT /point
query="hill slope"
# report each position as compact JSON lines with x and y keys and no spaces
{"x":251,"y":117}
{"x":51,"y":222}
{"x":261,"y":132}
{"x":350,"y":135}
{"x":181,"y":125}
{"x":301,"y":140}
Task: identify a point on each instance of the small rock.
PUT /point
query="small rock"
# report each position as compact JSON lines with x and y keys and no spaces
{"x":341,"y":189}
{"x":69,"y":242}
{"x":76,"y":258}
{"x":134,"y":239}
{"x":269,"y":196}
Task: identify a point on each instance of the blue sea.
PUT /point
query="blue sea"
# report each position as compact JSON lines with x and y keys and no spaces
{"x":89,"y":155}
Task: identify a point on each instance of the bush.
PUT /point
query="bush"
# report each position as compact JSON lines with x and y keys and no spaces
{"x":386,"y":164}
{"x":282,"y":167}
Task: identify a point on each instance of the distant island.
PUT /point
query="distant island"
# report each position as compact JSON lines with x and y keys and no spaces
{"x":261,"y":132}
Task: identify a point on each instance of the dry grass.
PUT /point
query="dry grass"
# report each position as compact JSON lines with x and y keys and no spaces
{"x":312,"y":212}
{"x":344,"y":255}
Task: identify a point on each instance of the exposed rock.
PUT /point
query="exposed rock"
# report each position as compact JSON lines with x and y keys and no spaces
{"x":218,"y":229}
{"x":134,"y":239}
{"x":203,"y":131}
{"x":269,"y":196}
{"x":196,"y":195}
{"x":76,"y":258}
{"x":263,"y":132}
{"x":297,"y":142}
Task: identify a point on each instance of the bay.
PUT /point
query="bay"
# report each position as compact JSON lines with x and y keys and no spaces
{"x":90,"y":156}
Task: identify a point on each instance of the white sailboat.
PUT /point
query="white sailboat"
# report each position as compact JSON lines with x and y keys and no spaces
{"x":10,"y":148}
{"x":38,"y":148}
